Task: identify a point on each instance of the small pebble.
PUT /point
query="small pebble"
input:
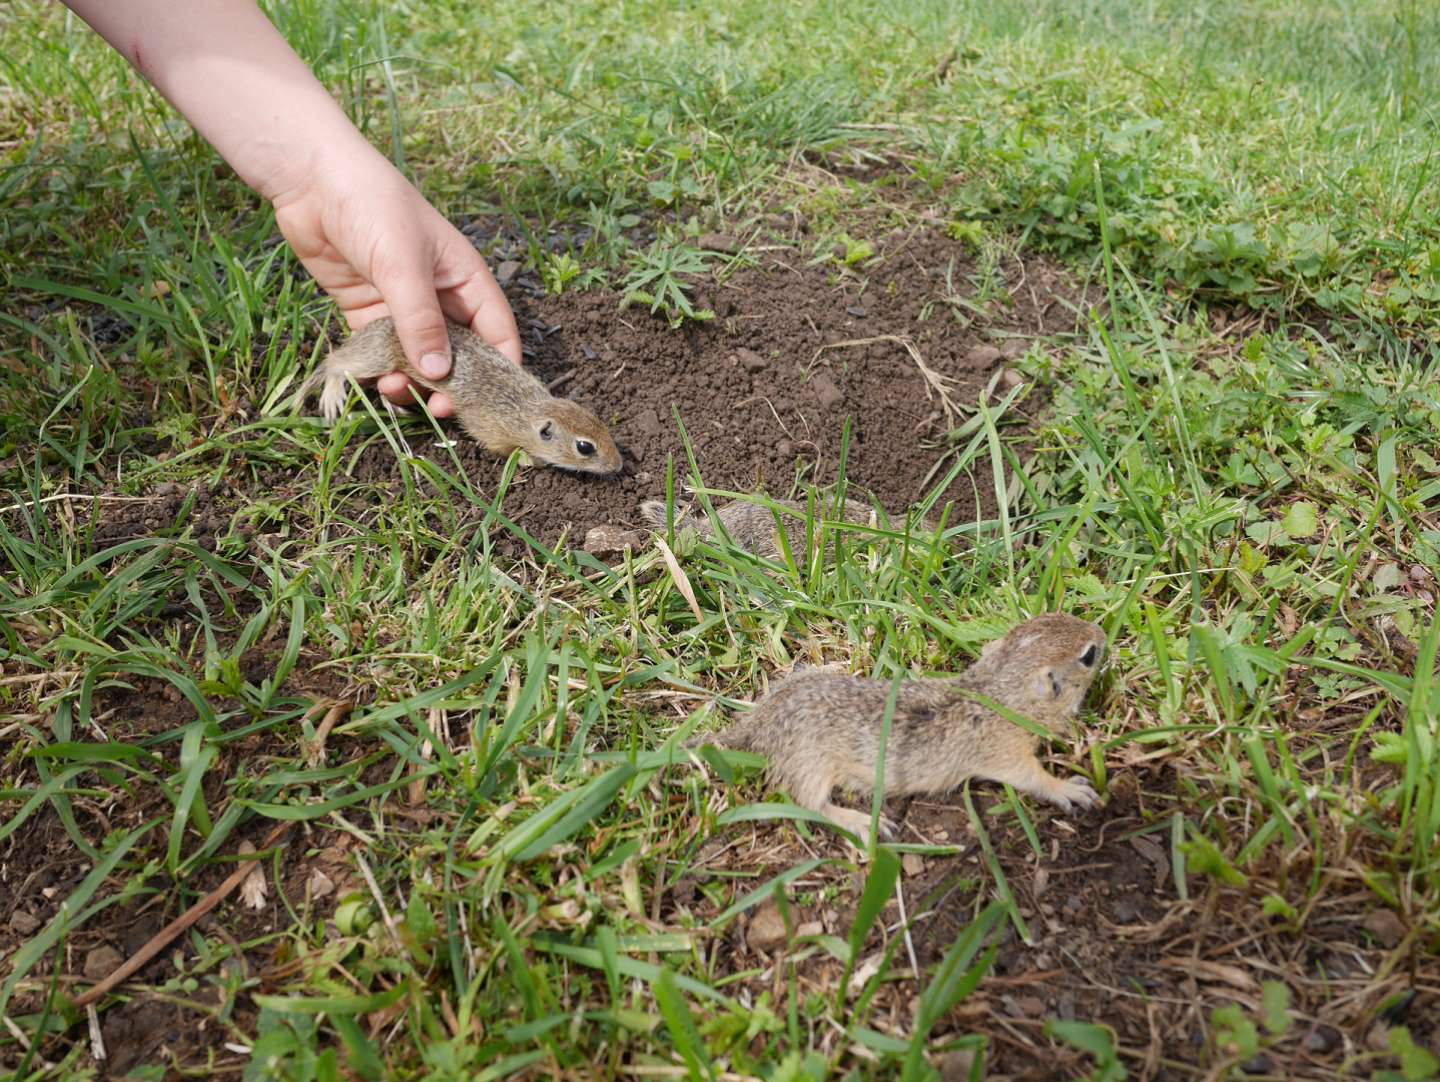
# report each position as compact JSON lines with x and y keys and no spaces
{"x":1320,"y":1040}
{"x":1385,"y":926}
{"x":767,"y":928}
{"x":718,"y":242}
{"x":1259,"y":1063}
{"x":506,"y":271}
{"x":648,"y":422}
{"x":1030,"y":1006}
{"x":23,"y":923}
{"x":750,"y":360}
{"x":957,"y":1065}
{"x":826,"y":393}
{"x":1123,"y":912}
{"x":101,"y":962}
{"x":856,"y":311}
{"x":590,"y":354}
{"x":1014,"y":349}
{"x":983,"y":356}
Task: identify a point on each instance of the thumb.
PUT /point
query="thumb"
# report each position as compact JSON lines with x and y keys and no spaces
{"x":424,"y":335}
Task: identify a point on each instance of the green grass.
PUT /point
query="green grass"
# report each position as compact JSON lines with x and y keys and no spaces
{"x":1239,"y":479}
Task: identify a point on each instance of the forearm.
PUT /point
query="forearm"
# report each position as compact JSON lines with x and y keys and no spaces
{"x":227,"y":69}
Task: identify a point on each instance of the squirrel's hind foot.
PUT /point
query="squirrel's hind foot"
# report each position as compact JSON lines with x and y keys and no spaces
{"x":332,"y":396}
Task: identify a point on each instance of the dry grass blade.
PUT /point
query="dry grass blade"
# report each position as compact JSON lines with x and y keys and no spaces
{"x":315,"y":750}
{"x":681,"y":580}
{"x":167,"y":935}
{"x":935,"y":382}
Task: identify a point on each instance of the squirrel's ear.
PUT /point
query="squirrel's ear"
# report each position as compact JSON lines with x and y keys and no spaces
{"x":547,"y":430}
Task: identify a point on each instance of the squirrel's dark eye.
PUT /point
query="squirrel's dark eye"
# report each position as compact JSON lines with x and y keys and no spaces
{"x":1090,"y":656}
{"x":584,"y":448}
{"x":547,"y":430}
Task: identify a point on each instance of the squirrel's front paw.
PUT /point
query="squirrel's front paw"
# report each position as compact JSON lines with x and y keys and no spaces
{"x":1075,"y":792}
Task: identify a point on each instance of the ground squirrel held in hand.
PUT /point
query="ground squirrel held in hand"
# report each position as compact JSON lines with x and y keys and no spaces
{"x":499,"y":403}
{"x":820,"y":729}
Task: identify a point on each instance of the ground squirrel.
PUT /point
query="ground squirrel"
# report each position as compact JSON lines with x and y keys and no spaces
{"x":752,"y":525}
{"x":820,"y":729}
{"x":499,"y":403}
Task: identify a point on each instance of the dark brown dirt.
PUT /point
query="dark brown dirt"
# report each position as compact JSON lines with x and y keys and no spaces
{"x":1111,"y":940}
{"x":760,"y":408}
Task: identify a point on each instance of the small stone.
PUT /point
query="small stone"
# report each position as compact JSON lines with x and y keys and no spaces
{"x":1419,"y":573}
{"x":913,"y":863}
{"x":1259,"y":1063}
{"x":1123,"y":912}
{"x":750,"y":360}
{"x":1030,"y":1006}
{"x":809,"y":928}
{"x":506,"y":272}
{"x":856,"y":311}
{"x":1014,"y":349}
{"x":718,"y":242}
{"x":1320,"y":1040}
{"x":767,"y":928}
{"x":1009,"y":379}
{"x":1385,"y":926}
{"x":23,"y":923}
{"x":589,"y":351}
{"x":957,"y":1065}
{"x":648,"y":422}
{"x":826,"y":393}
{"x":319,"y":885}
{"x":101,"y":962}
{"x":610,"y":540}
{"x":982,"y":356}
{"x":784,"y":448}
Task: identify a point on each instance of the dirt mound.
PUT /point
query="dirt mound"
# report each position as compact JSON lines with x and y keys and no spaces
{"x":760,"y":407}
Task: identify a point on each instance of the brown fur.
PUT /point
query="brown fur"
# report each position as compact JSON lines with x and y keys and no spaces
{"x":753,"y":527}
{"x":498,"y":403}
{"x":821,"y":729}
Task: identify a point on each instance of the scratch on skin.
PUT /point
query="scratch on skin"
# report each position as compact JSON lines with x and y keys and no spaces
{"x":137,"y":57}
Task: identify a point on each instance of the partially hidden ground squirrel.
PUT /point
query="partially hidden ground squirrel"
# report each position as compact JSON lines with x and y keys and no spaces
{"x":820,"y":729}
{"x":499,"y":403}
{"x":752,"y":526}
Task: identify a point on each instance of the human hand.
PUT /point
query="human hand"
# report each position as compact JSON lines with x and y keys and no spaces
{"x":375,"y":245}
{"x":369,"y":238}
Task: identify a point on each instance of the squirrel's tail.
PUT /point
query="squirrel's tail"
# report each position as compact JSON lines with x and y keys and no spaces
{"x":739,"y":736}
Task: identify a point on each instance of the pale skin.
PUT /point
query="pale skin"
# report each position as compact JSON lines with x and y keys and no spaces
{"x":361,"y":229}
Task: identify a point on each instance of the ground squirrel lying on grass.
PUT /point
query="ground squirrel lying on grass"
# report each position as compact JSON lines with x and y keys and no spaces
{"x":752,"y":525}
{"x":499,"y":403}
{"x":821,"y":729}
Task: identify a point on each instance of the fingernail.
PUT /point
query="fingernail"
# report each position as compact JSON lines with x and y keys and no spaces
{"x":434,"y":365}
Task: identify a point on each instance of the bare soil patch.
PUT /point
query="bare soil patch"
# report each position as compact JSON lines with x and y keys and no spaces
{"x":760,"y":408}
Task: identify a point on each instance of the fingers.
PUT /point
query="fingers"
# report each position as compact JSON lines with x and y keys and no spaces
{"x":477,"y":300}
{"x":408,"y":287}
{"x":397,"y":387}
